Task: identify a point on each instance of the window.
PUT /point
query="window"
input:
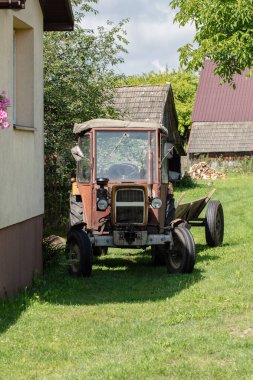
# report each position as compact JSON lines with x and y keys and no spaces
{"x":23,"y":75}
{"x":84,"y":166}
{"x":123,"y":155}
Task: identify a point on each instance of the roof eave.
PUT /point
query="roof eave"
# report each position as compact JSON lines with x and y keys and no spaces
{"x":12,"y":4}
{"x":57,"y":27}
{"x":53,"y":22}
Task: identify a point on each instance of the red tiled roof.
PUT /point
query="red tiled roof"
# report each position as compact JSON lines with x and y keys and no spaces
{"x":221,"y":103}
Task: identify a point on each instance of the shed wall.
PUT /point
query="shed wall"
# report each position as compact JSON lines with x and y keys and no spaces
{"x":221,"y":137}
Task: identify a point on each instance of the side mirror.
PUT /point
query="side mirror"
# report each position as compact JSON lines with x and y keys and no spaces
{"x":77,"y":153}
{"x":168,"y":150}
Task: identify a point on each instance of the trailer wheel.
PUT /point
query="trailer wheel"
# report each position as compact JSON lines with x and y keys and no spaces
{"x":214,"y":226}
{"x":182,"y":257}
{"x":79,"y":253}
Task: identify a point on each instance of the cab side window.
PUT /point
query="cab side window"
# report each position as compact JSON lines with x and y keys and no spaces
{"x":84,"y":166}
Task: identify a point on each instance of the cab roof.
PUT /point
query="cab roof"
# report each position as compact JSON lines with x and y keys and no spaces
{"x":111,"y":123}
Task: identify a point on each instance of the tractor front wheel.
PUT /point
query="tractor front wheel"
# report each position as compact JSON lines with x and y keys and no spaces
{"x":181,"y":258}
{"x":157,"y":256}
{"x":79,"y":253}
{"x":100,"y":251}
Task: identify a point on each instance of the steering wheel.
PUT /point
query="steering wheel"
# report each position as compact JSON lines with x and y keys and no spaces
{"x":119,"y":171}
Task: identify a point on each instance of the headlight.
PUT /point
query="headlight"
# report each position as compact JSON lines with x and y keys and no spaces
{"x":156,"y":203}
{"x":102,"y":204}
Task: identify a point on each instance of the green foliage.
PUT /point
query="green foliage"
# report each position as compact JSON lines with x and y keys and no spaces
{"x":79,"y":79}
{"x":81,"y":7}
{"x":224,"y":34}
{"x":186,"y":182}
{"x":242,"y":165}
{"x":245,"y":165}
{"x":184,"y":86}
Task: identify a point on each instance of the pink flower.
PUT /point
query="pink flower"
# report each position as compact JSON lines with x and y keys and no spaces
{"x":5,"y":125}
{"x":3,"y":114}
{"x":4,"y":103}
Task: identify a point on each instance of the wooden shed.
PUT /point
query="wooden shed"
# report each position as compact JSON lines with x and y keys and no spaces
{"x":222,"y":118}
{"x":152,"y":103}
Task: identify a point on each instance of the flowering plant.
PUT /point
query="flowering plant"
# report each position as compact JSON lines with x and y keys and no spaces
{"x":4,"y":103}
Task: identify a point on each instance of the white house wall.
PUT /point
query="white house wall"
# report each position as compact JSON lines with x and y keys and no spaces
{"x":21,"y":151}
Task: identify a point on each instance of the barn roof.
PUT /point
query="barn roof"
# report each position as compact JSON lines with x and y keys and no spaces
{"x":210,"y":137}
{"x":221,"y":103}
{"x":149,"y":103}
{"x":141,"y":103}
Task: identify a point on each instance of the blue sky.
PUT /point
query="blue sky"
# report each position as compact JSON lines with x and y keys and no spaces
{"x":153,"y":37}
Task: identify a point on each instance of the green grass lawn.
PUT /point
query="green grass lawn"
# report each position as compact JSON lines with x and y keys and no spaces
{"x":133,"y":321}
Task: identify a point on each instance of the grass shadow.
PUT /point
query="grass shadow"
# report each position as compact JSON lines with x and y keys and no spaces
{"x":201,"y":248}
{"x":128,"y":279}
{"x":206,"y":253}
{"x":11,"y":309}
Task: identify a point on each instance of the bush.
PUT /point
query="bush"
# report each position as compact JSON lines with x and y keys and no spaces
{"x":187,"y":182}
{"x":53,"y":249}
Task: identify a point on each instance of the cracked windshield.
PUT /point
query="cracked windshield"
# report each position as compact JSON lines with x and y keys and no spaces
{"x":123,"y":155}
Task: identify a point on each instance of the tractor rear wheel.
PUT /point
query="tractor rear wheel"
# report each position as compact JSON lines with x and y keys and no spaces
{"x":214,"y":226}
{"x":76,"y":211}
{"x":181,"y":258}
{"x":79,"y":253}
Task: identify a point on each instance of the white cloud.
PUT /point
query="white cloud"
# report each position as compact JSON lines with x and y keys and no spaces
{"x":153,"y":37}
{"x":158,"y":66}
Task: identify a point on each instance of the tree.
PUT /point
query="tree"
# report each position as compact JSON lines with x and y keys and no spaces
{"x":78,"y":76}
{"x":79,"y":79}
{"x":224,"y":34}
{"x":184,"y":86}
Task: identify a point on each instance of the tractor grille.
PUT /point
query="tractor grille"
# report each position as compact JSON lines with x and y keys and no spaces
{"x":130,"y":206}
